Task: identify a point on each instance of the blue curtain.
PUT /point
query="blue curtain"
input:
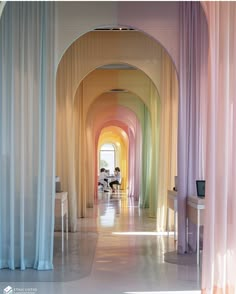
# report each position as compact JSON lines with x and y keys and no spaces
{"x":27,"y":135}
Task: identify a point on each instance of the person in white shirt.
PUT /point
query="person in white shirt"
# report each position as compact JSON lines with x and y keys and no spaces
{"x":117,"y":178}
{"x":102,"y":180}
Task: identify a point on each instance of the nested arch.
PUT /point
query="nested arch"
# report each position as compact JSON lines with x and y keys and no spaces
{"x":135,"y":83}
{"x":114,"y":105}
{"x":110,"y":114}
{"x":91,"y":51}
{"x":101,"y":80}
{"x":95,"y":49}
{"x":130,"y":123}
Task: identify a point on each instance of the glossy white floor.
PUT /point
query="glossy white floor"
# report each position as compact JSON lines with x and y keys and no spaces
{"x":116,"y":251}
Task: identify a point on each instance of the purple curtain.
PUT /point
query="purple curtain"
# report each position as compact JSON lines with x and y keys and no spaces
{"x":192,"y":113}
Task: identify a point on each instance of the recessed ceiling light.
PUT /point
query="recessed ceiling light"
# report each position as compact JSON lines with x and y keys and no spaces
{"x":114,"y":29}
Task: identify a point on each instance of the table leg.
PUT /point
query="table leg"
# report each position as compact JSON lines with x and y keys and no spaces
{"x":168,"y":230}
{"x":198,"y":235}
{"x":67,"y":226}
{"x":175,"y":214}
{"x":187,"y":234}
{"x":62,"y":227}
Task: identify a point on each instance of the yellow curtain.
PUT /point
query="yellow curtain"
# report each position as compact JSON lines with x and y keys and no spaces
{"x":168,"y":138}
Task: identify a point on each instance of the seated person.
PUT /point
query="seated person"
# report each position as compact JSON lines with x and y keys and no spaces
{"x":102,"y":180}
{"x":107,"y":175}
{"x":117,"y":178}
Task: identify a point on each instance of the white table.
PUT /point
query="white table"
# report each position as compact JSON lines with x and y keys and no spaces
{"x":61,"y":210}
{"x":172,"y":204}
{"x":195,"y":213}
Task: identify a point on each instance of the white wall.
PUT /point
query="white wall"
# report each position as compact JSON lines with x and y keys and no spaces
{"x":158,"y":19}
{"x":73,"y":19}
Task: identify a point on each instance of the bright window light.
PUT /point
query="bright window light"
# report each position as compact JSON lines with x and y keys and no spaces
{"x":143,"y":234}
{"x":107,"y":147}
{"x":107,"y":157}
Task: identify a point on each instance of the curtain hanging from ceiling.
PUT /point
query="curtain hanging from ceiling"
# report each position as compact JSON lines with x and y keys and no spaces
{"x":167,"y":164}
{"x":27,"y":104}
{"x":219,"y":245}
{"x":145,"y":201}
{"x":192,"y":114}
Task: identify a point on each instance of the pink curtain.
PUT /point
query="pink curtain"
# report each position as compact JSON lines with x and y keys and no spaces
{"x":126,"y":119}
{"x":219,"y":255}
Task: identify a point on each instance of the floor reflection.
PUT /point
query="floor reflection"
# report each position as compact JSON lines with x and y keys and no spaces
{"x":116,"y":250}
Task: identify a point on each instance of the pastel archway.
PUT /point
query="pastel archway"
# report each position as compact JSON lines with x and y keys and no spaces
{"x":143,"y":92}
{"x":126,"y":119}
{"x":95,"y":49}
{"x":141,"y":179}
{"x":158,"y":19}
{"x":84,"y":132}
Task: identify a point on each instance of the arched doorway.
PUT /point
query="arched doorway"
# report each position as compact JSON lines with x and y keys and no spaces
{"x":76,"y":88}
{"x":107,"y":155}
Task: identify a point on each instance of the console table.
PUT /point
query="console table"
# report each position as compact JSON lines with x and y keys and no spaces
{"x":61,"y":210}
{"x":172,"y":204}
{"x":195,"y":213}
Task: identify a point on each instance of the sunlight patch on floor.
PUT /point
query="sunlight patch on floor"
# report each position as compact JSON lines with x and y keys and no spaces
{"x":143,"y":234}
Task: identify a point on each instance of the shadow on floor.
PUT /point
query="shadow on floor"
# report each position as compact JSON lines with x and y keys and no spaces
{"x":181,"y":259}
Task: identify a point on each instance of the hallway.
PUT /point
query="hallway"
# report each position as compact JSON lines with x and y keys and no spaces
{"x":115,"y":251}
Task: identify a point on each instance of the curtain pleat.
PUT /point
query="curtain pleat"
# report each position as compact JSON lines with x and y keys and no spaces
{"x":167,"y":129}
{"x":27,"y":113}
{"x":145,"y":200}
{"x":219,"y":245}
{"x":192,"y":121}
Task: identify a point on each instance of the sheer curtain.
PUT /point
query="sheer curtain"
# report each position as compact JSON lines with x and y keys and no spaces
{"x":192,"y":115}
{"x":27,"y":104}
{"x":146,"y":163}
{"x":168,"y":137}
{"x":219,"y":254}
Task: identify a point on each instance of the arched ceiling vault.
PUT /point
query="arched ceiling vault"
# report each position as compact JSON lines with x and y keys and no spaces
{"x":95,"y":49}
